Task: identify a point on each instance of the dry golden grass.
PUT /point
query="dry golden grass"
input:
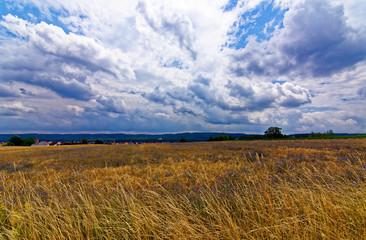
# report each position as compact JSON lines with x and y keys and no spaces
{"x":311,"y":189}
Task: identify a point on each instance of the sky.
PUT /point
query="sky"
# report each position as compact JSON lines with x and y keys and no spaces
{"x":158,"y":66}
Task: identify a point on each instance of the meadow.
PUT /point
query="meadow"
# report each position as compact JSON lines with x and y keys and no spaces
{"x":288,"y":189}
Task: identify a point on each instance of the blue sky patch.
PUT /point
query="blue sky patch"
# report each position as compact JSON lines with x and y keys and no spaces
{"x":348,"y":99}
{"x":230,"y":5}
{"x":174,"y":64}
{"x":280,"y":82}
{"x":261,"y":23}
{"x":317,"y":109}
{"x":34,"y":15}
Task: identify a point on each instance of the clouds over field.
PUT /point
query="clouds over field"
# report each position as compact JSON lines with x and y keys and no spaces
{"x":166,"y":66}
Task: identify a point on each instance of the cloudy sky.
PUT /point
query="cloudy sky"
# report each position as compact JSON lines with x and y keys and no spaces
{"x":174,"y":66}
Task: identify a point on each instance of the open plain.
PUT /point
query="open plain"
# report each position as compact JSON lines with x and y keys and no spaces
{"x":299,"y":189}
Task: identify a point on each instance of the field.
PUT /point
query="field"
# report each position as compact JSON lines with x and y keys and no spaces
{"x":303,"y":189}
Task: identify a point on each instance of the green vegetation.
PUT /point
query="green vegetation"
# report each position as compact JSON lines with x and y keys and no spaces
{"x":18,"y":141}
{"x":303,"y":189}
{"x":190,"y":137}
{"x":222,"y":138}
{"x":273,"y":132}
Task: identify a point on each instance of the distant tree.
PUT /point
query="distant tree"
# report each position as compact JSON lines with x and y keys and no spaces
{"x":182,"y":140}
{"x":274,"y":132}
{"x":16,"y":141}
{"x":223,"y":138}
{"x":330,"y":132}
{"x":84,"y":141}
{"x":315,"y":135}
{"x":98,"y":141}
{"x":28,"y":141}
{"x":10,"y":144}
{"x":210,"y":139}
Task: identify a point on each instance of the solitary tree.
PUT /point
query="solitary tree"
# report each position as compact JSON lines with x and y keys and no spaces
{"x":84,"y":141}
{"x":273,"y":132}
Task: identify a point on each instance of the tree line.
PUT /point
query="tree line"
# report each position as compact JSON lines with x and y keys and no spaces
{"x":18,"y":141}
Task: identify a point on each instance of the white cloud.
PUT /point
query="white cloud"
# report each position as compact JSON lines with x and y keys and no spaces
{"x":158,"y":65}
{"x":15,"y":109}
{"x":75,"y":109}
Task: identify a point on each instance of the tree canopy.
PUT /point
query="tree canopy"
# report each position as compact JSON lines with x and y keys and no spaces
{"x":18,"y":141}
{"x":274,"y":132}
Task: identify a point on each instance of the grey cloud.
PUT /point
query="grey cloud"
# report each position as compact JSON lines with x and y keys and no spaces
{"x":42,"y":55}
{"x":203,"y":80}
{"x":362,"y":92}
{"x":216,"y":115}
{"x":67,"y":88}
{"x":315,"y":40}
{"x":185,"y":111}
{"x":64,"y":87}
{"x":181,"y":94}
{"x":7,"y":92}
{"x":236,"y":90}
{"x":235,"y":99}
{"x":111,"y":104}
{"x":47,"y":43}
{"x":157,"y":96}
{"x":201,"y":92}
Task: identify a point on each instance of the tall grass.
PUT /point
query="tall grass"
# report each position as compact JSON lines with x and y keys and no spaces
{"x":313,"y":189}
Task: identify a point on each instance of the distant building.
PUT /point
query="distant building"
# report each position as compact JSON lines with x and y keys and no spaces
{"x":40,"y":144}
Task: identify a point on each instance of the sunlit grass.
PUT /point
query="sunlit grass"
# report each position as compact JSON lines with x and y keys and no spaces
{"x":312,"y":189}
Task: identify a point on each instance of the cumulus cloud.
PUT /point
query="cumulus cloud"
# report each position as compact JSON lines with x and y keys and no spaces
{"x":80,"y":50}
{"x":315,"y":41}
{"x":342,"y":121}
{"x":15,"y":109}
{"x":158,"y":66}
{"x":177,"y":25}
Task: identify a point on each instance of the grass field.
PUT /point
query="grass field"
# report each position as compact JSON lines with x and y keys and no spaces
{"x":303,"y":189}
